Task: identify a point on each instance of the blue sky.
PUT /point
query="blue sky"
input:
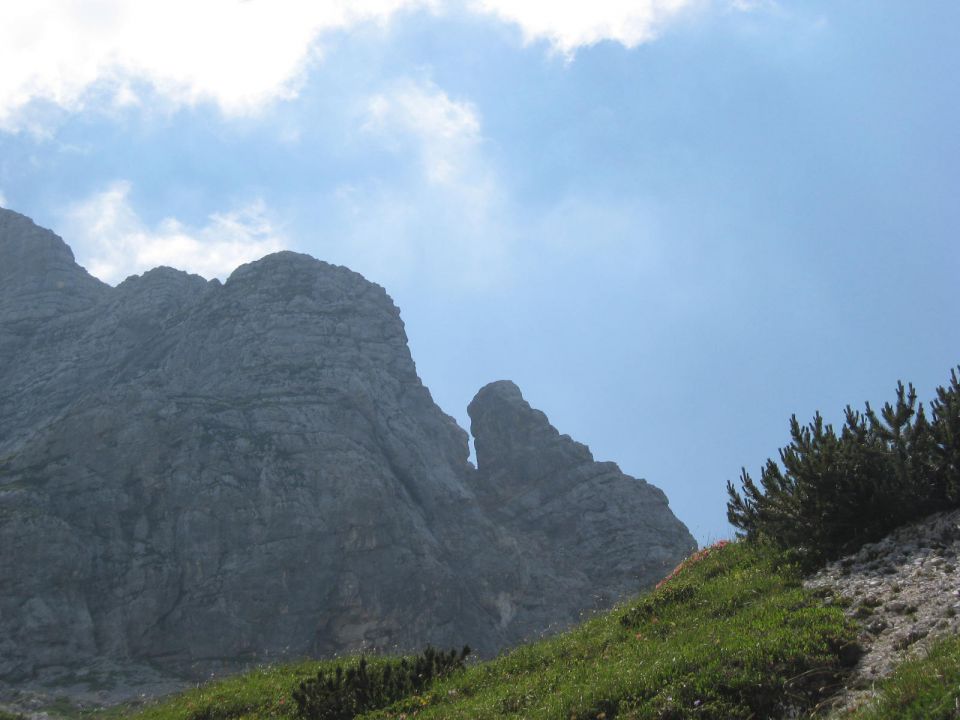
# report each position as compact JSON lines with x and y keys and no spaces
{"x":673,"y":223}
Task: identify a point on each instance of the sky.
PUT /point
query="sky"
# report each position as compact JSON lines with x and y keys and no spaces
{"x":673,"y":223}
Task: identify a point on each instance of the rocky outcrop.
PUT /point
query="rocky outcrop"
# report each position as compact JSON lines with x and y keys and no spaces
{"x":604,"y":533}
{"x":194,"y":475}
{"x":904,"y":593}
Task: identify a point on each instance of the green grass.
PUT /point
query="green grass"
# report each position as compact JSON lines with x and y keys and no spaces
{"x":924,"y":689}
{"x":733,"y":635}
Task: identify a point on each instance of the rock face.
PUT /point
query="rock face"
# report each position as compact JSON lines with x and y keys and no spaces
{"x":194,"y":475}
{"x":596,"y":529}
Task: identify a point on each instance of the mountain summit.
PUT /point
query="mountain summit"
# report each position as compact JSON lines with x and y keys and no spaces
{"x":196,"y":475}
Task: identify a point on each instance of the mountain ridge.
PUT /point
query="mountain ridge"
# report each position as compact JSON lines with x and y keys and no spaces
{"x":197,"y":475}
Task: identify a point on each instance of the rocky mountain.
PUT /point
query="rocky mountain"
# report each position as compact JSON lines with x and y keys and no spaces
{"x":196,"y":475}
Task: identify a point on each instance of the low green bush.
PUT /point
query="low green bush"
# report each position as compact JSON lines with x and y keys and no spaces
{"x":343,"y":692}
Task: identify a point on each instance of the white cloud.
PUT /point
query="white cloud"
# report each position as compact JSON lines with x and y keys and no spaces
{"x":3,"y":199}
{"x":112,"y":242}
{"x":571,"y":25}
{"x":238,"y":53}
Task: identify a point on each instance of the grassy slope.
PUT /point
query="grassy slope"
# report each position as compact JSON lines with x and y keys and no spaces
{"x":730,"y":636}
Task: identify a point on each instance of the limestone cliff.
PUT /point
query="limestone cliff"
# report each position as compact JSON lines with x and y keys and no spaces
{"x":194,"y":475}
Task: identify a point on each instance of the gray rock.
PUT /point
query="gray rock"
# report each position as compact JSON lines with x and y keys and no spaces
{"x":601,"y":529}
{"x":196,"y":475}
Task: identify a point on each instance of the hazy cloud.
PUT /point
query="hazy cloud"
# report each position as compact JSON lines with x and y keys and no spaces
{"x":751,"y":5}
{"x":451,"y":221}
{"x":112,"y":242}
{"x":445,"y":131}
{"x":443,"y":218}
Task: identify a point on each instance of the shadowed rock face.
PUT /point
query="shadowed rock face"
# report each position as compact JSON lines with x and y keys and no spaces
{"x":194,"y":475}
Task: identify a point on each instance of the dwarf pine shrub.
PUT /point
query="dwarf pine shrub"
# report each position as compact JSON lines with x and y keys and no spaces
{"x":343,"y":693}
{"x":831,"y":492}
